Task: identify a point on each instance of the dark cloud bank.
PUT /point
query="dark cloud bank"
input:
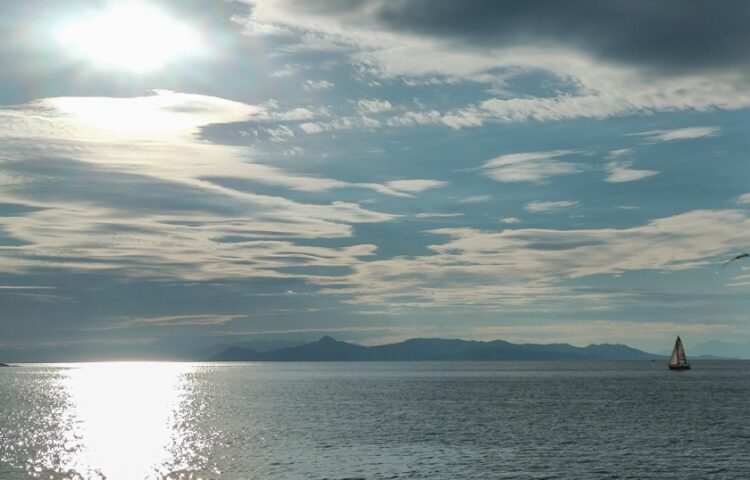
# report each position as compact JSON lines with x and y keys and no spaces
{"x":665,"y":35}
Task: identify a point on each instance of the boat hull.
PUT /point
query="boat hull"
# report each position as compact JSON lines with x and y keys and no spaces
{"x":679,"y":367}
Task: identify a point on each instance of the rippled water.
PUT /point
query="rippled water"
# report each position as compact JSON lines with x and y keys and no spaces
{"x":375,"y":420}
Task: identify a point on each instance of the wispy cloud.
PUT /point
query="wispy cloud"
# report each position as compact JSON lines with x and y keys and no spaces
{"x":550,"y":206}
{"x":620,"y":172}
{"x":317,"y":85}
{"x":370,"y":106}
{"x":177,"y":225}
{"x":582,"y":333}
{"x":619,"y":153}
{"x":527,"y":267}
{"x":529,"y":167}
{"x":25,"y":287}
{"x":158,"y":126}
{"x":165,"y":321}
{"x":285,"y":71}
{"x":475,"y":199}
{"x":82,"y":342}
{"x":438,"y":215}
{"x":688,"y":133}
{"x":178,"y":320}
{"x":320,"y":330}
{"x":416,"y":185}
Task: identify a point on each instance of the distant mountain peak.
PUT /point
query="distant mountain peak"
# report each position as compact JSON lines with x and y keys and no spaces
{"x":433,"y":349}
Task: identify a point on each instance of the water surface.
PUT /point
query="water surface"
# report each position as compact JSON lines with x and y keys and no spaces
{"x":375,"y":420}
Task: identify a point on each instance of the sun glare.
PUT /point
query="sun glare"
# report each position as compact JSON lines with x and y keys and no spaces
{"x":125,"y":417}
{"x":136,"y":37}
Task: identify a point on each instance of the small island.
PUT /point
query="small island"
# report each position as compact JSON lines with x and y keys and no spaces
{"x":4,"y":365}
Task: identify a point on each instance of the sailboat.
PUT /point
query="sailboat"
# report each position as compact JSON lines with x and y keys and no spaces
{"x":678,"y":361}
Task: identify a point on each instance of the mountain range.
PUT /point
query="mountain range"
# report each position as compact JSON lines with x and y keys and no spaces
{"x":715,"y":348}
{"x":433,"y":349}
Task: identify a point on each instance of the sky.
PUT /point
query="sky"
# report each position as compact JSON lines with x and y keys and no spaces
{"x":179,"y":174}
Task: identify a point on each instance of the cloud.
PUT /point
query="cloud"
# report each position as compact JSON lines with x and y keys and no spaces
{"x":596,"y":47}
{"x":56,"y":344}
{"x":25,"y":287}
{"x":412,"y":118}
{"x":180,"y":320}
{"x":341,"y":123}
{"x":370,"y":106}
{"x":438,"y":215}
{"x":705,"y":233}
{"x":321,"y":330}
{"x":462,"y":118}
{"x":607,"y":96}
{"x":622,"y":152}
{"x":317,"y":85}
{"x":680,"y":134}
{"x":744,"y":198}
{"x":413,"y":186}
{"x":529,"y":167}
{"x":510,"y":220}
{"x":285,"y":71}
{"x":528,"y":268}
{"x":296,"y":114}
{"x":476,"y":199}
{"x":312,"y":127}
{"x":280,"y":133}
{"x":163,"y":125}
{"x":144,"y":194}
{"x":550,"y":206}
{"x":163,"y":116}
{"x":583,"y":333}
{"x":620,"y":172}
{"x":695,"y":40}
{"x":174,"y":246}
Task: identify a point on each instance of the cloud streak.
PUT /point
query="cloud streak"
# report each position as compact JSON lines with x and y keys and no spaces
{"x":621,"y":172}
{"x":528,"y":267}
{"x":551,"y":206}
{"x":688,"y":133}
{"x":529,"y":167}
{"x":415,"y":186}
{"x":179,"y":222}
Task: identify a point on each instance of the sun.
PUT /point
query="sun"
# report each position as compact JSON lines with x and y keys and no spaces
{"x":131,"y":36}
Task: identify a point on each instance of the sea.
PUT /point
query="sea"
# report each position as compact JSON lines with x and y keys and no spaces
{"x":380,"y":420}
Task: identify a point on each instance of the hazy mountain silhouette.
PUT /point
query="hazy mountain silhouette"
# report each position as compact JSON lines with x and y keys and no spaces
{"x":719,"y":349}
{"x":434,"y":349}
{"x":423,"y":349}
{"x":202,"y":353}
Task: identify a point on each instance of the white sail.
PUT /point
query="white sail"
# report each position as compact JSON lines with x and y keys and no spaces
{"x":678,"y":358}
{"x":673,"y":359}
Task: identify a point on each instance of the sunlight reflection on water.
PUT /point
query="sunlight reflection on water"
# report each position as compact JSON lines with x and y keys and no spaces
{"x":115,"y":421}
{"x":124,"y":416}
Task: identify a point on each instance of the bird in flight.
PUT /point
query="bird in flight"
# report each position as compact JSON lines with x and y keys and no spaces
{"x":735,"y":258}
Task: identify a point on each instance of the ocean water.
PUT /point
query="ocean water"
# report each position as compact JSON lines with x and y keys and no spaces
{"x":490,"y":420}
